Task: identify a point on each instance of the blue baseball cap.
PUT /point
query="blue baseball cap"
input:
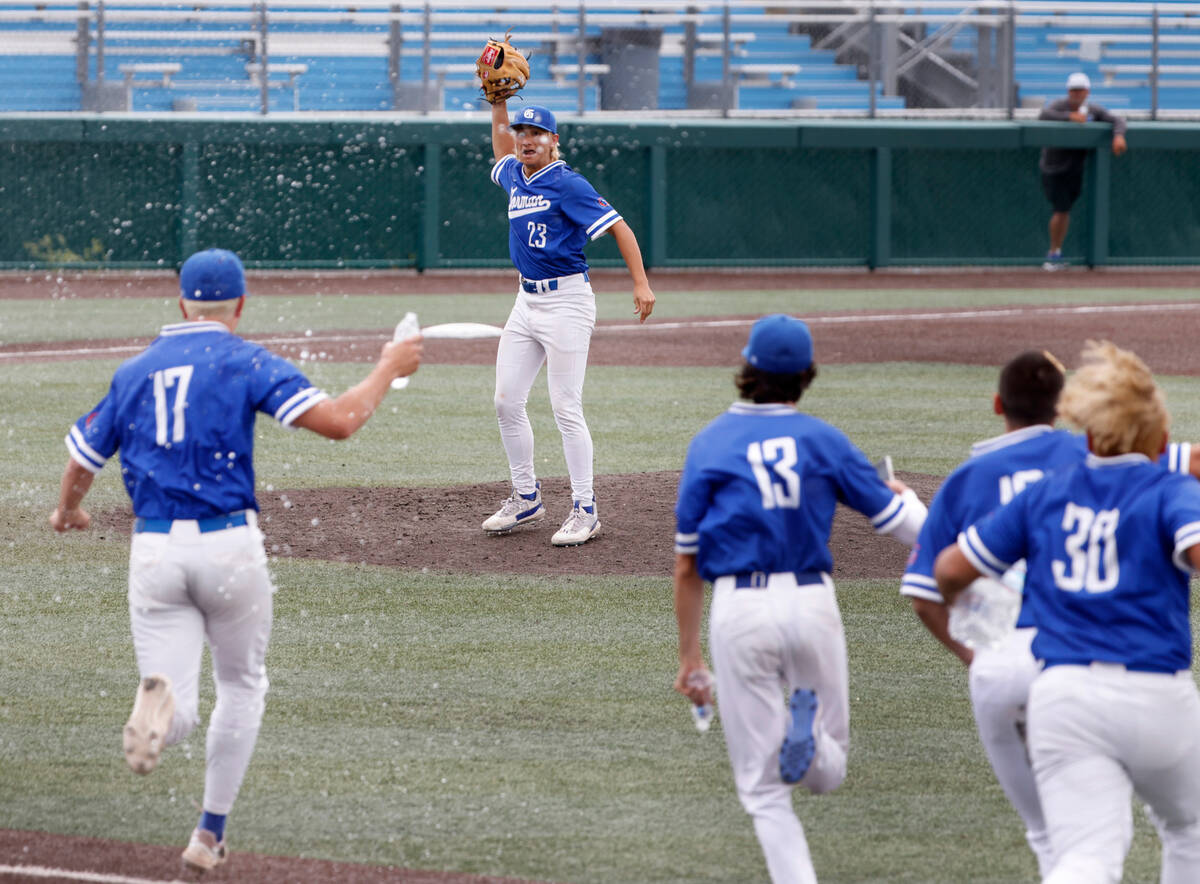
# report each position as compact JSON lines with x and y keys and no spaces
{"x":212,"y":275}
{"x":779,"y":344}
{"x":536,"y":115}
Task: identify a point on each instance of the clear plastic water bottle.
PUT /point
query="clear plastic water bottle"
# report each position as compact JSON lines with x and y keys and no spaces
{"x":986,"y":612}
{"x":702,"y":713}
{"x":408,"y":327}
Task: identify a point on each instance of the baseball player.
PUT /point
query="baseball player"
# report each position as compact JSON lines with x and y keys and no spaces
{"x":755,"y":509}
{"x":181,"y":414}
{"x":1109,"y":546}
{"x":998,"y":470}
{"x":553,"y":212}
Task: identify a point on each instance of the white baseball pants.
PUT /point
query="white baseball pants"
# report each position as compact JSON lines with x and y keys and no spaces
{"x":186,"y":588}
{"x":554,"y":328}
{"x":765,"y":644}
{"x":999,"y":679}
{"x":1098,"y":734}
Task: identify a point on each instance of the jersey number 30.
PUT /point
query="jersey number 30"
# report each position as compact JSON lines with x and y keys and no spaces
{"x":776,"y":456}
{"x":1091,"y":546}
{"x":178,"y":377}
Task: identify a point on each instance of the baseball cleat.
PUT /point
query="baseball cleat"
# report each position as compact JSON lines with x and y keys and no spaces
{"x":204,"y":853}
{"x":146,"y":731}
{"x":799,"y":745}
{"x":580,"y":527}
{"x":518,"y":510}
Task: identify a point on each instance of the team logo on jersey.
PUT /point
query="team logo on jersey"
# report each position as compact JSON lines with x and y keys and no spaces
{"x":603,"y":203}
{"x":525,"y":203}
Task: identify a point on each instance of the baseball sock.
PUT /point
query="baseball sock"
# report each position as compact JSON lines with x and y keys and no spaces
{"x":214,"y":822}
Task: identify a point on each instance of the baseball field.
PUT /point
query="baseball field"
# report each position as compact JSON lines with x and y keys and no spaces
{"x":451,"y":707}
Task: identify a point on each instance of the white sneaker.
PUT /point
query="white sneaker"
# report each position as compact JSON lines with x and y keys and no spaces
{"x":580,"y":527}
{"x":517,"y":510}
{"x":146,"y":731}
{"x":1054,"y":261}
{"x":204,"y":853}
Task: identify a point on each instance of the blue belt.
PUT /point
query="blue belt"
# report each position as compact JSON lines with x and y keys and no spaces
{"x":758,"y":579}
{"x":550,"y":285}
{"x":216,"y":523}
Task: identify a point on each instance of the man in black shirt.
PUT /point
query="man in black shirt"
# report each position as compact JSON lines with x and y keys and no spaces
{"x":1062,"y":168}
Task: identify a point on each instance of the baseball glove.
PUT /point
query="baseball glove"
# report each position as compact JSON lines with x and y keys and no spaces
{"x":502,"y":70}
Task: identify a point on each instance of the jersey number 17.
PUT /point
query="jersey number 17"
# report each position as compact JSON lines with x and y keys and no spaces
{"x":177,"y":377}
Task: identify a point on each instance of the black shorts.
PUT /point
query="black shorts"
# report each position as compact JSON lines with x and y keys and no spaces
{"x":1063,"y":188}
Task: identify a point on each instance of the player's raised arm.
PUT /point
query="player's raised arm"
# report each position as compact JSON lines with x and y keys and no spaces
{"x":503,"y":142}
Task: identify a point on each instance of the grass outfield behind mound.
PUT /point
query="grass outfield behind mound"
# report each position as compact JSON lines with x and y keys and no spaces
{"x":521,"y":726}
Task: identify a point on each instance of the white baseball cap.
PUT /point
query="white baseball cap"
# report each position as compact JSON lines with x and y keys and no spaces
{"x":1078,"y":80}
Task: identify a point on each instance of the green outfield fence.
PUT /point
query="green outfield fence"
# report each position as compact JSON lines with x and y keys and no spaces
{"x":92,"y":191}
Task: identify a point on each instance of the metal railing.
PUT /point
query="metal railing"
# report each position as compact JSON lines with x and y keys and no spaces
{"x":899,"y":49}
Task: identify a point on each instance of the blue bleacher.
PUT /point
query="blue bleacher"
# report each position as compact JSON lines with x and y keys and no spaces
{"x":1042,"y":65}
{"x":217,"y":80}
{"x":40,"y":79}
{"x":55,"y":88}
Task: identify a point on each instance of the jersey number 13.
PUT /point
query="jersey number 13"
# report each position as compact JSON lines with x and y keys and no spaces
{"x":772,"y":461}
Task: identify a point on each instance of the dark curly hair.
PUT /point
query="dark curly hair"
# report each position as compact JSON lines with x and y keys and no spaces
{"x":765,"y":386}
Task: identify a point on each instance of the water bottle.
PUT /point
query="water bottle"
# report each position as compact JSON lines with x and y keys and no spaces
{"x":408,"y":327}
{"x":702,"y":713}
{"x":985,"y":613}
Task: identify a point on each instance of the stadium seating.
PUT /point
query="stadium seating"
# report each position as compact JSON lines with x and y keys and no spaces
{"x":1115,"y":53}
{"x":329,"y":59}
{"x":343,"y":58}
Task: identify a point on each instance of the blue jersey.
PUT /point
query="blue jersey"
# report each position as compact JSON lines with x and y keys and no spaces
{"x":552,"y":216}
{"x":996,"y":472}
{"x":1105,"y":546}
{"x":182,"y":415}
{"x":760,"y":486}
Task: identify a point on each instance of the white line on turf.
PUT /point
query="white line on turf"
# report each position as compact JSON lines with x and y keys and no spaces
{"x":117,"y":350}
{"x":73,"y":875}
{"x":817,"y":319}
{"x":850,"y":318}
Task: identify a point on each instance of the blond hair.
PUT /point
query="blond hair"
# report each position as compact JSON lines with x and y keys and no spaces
{"x":1114,"y":398}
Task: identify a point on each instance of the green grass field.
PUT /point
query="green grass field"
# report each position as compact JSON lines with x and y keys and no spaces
{"x":504,"y":725}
